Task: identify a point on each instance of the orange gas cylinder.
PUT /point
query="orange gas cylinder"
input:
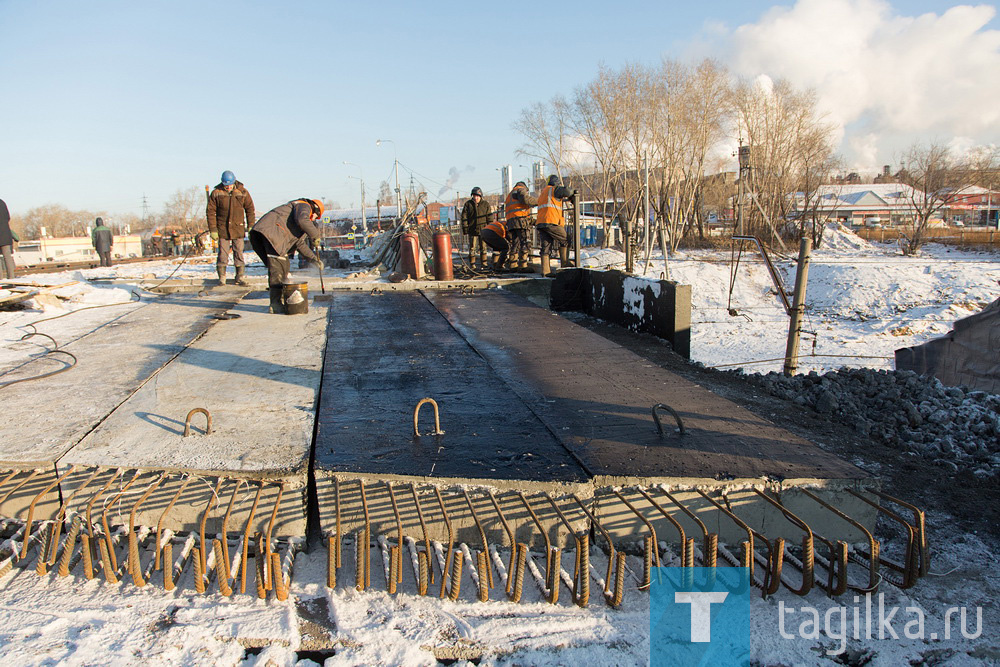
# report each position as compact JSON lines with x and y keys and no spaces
{"x":409,"y":255}
{"x":443,"y":269}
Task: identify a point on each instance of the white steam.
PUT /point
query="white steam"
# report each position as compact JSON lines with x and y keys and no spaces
{"x":887,"y":80}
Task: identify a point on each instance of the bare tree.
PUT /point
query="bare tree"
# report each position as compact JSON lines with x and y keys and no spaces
{"x":545,"y":128}
{"x":934,"y":177}
{"x":776,"y":120}
{"x":185,"y":210}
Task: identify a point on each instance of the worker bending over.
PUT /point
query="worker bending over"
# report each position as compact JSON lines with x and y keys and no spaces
{"x":495,"y":236}
{"x":277,"y":233}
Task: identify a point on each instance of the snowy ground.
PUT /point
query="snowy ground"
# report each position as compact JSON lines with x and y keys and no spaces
{"x":864,"y":302}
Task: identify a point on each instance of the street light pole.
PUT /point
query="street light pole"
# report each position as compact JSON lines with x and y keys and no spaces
{"x":364,"y":223}
{"x":395,"y":165}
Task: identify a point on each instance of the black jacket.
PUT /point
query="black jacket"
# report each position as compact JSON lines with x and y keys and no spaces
{"x":6,"y":238}
{"x":288,"y":226}
{"x":475,"y":217}
{"x":101,"y":238}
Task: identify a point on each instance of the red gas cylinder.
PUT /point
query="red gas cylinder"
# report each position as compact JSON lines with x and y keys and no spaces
{"x":443,"y":269}
{"x":409,"y":255}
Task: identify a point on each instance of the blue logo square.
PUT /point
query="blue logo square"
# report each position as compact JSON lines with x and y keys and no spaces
{"x":700,"y":616}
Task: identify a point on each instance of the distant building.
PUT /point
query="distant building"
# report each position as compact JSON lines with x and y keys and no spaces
{"x":861,"y":205}
{"x":73,"y":249}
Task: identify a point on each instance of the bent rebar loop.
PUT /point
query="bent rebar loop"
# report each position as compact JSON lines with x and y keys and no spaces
{"x":843,"y":553}
{"x":31,"y":514}
{"x":397,"y":553}
{"x":615,"y":560}
{"x":363,"y":562}
{"x":710,"y":541}
{"x":552,"y":556}
{"x":771,"y":580}
{"x":518,"y":556}
{"x":456,"y":565}
{"x":488,"y":584}
{"x":428,"y":553}
{"x":108,"y":542}
{"x":203,"y":553}
{"x":191,"y":414}
{"x":677,"y":417}
{"x":163,"y":517}
{"x":53,"y":547}
{"x":581,"y":567}
{"x":686,"y":555}
{"x":437,"y":417}
{"x":652,"y":546}
{"x":910,"y":569}
{"x":808,"y":550}
{"x":134,"y":566}
{"x":919,"y":526}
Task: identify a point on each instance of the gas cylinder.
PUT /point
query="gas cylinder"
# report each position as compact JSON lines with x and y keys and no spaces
{"x":409,"y":255}
{"x":443,"y":269}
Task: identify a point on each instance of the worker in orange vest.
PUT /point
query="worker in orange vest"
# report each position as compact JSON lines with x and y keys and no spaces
{"x":517,"y":211}
{"x":495,"y":236}
{"x":551,"y":223}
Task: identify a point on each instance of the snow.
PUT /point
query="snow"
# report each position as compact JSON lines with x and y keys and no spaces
{"x":864,"y":301}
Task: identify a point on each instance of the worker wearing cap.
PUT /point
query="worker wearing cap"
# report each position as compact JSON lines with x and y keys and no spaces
{"x":278,"y":232}
{"x":476,"y":214}
{"x":517,"y":211}
{"x":551,"y":223}
{"x":230,"y":212}
{"x":495,"y":236}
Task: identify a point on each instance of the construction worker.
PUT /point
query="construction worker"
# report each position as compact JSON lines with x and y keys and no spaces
{"x":495,"y":236}
{"x":517,"y":211}
{"x":230,"y":212}
{"x":281,"y":231}
{"x":551,"y":223}
{"x":102,"y":239}
{"x":7,"y":238}
{"x":476,"y":214}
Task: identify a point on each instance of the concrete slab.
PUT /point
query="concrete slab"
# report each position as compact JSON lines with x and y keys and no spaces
{"x":55,"y":413}
{"x":597,"y":398}
{"x":258,"y":376}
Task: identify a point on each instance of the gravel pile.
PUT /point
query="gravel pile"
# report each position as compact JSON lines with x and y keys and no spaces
{"x":954,"y":427}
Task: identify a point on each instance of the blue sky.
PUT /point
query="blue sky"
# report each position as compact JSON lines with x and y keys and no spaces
{"x":104,"y":102}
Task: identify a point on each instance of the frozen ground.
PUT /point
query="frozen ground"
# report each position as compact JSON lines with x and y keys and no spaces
{"x":864,"y":302}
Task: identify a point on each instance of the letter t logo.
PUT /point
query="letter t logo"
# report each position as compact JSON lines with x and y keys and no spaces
{"x":701,"y":617}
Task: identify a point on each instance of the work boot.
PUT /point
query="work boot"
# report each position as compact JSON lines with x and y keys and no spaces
{"x":277,"y":306}
{"x":522,"y":263}
{"x":221,"y":270}
{"x":545,"y":264}
{"x":240,"y":279}
{"x":564,"y":257}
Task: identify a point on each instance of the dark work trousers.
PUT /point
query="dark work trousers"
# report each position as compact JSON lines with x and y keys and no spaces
{"x":105,"y":257}
{"x":551,"y":238}
{"x":498,"y":243}
{"x":8,"y":261}
{"x":277,"y":266}
{"x":520,"y":243}
{"x":476,"y":249}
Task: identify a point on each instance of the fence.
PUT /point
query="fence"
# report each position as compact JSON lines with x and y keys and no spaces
{"x":944,"y":235}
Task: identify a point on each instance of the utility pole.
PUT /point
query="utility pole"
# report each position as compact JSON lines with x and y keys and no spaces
{"x":798,"y":306}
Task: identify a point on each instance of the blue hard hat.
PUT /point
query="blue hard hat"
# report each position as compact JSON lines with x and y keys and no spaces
{"x":228,"y":177}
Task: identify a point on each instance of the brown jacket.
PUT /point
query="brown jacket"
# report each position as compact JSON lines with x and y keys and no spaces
{"x":288,"y":226}
{"x":229,"y":213}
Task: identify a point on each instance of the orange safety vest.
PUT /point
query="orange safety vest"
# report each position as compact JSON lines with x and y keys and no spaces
{"x":498,"y":228}
{"x":549,"y":207}
{"x":515,"y":209}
